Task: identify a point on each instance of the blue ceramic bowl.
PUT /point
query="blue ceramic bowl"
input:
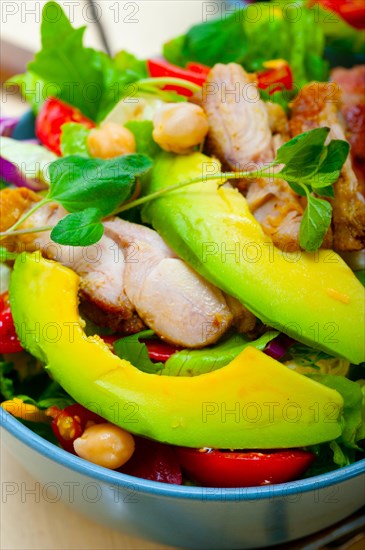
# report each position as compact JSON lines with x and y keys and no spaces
{"x":187,"y":517}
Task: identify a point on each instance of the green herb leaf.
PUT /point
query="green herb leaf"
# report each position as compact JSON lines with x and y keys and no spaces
{"x":301,"y":155}
{"x":132,"y":350}
{"x":74,"y":139}
{"x":79,"y":229}
{"x":142,"y":131}
{"x":330,"y":168}
{"x":78,"y":183}
{"x":315,"y":223}
{"x":126,"y":61}
{"x":360,"y":274}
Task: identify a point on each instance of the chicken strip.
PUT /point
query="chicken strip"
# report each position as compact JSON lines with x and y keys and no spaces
{"x":171,"y":298}
{"x":239,"y":131}
{"x":318,"y":105}
{"x":245,"y":131}
{"x":352,"y":84}
{"x":135,"y":279}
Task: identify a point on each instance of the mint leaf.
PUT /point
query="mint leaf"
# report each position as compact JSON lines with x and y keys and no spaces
{"x":78,"y":183}
{"x":134,"y":351}
{"x":330,"y":168}
{"x":315,"y":223}
{"x":79,"y":229}
{"x":142,"y":131}
{"x":302,"y":154}
{"x":74,"y":139}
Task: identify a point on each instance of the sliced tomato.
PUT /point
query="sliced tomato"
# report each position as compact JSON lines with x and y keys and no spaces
{"x":53,"y":114}
{"x":214,"y":468}
{"x":351,"y":11}
{"x":69,"y":423}
{"x":154,"y":461}
{"x":276,"y":76}
{"x":9,"y":341}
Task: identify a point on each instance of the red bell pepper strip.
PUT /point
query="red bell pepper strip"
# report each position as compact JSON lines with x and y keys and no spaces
{"x":158,"y":350}
{"x":162,"y":68}
{"x":53,"y":114}
{"x":277,"y":76}
{"x":198,"y":68}
{"x":154,"y":461}
{"x":214,"y":468}
{"x":351,"y":11}
{"x":70,"y":423}
{"x":9,"y":341}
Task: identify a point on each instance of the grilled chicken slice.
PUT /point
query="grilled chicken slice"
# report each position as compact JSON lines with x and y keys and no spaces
{"x":245,"y":131}
{"x":239,"y":131}
{"x":352,"y":84}
{"x":312,"y":109}
{"x":171,"y":298}
{"x":135,"y":279}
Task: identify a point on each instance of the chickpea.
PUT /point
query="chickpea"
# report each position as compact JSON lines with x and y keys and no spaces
{"x":178,"y":127}
{"x":106,"y":445}
{"x":110,"y":140}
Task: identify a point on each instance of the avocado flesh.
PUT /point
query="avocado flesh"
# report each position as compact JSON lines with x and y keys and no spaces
{"x":313,"y":297}
{"x":253,"y":402}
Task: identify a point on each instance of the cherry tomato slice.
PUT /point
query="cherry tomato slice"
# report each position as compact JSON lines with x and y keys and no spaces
{"x":278,"y":76}
{"x":214,"y":468}
{"x":69,"y":423}
{"x":9,"y":341}
{"x":154,"y":461}
{"x":53,"y":114}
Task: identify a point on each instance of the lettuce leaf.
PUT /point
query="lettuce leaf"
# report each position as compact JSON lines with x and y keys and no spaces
{"x":74,"y":139}
{"x":187,"y":362}
{"x":83,"y":77}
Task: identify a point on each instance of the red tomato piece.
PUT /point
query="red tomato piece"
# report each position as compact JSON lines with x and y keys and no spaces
{"x":9,"y":341}
{"x":154,"y":461}
{"x":278,"y":76}
{"x":53,"y":114}
{"x":214,"y":468}
{"x":351,"y":11}
{"x":69,"y":423}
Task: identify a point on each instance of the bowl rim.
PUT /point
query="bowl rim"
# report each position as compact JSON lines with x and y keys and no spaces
{"x":156,"y":488}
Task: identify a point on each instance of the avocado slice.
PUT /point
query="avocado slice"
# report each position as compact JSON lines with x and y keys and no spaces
{"x":253,"y":402}
{"x":313,"y":297}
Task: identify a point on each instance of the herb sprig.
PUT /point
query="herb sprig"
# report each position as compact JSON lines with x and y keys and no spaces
{"x":91,"y":189}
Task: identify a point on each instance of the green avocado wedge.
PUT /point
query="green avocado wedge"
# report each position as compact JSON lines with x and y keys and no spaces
{"x":253,"y":402}
{"x":313,"y":297}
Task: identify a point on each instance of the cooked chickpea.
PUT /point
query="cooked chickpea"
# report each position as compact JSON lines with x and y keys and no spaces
{"x":106,"y":445}
{"x":110,"y":140}
{"x":178,"y":127}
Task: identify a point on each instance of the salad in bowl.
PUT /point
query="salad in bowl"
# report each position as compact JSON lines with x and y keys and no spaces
{"x":183,"y":244}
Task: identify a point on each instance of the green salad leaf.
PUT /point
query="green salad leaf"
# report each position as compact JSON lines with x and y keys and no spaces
{"x":195,"y":362}
{"x":188,"y":362}
{"x":131,"y":349}
{"x":253,"y":35}
{"x":74,"y":139}
{"x":142,"y":131}
{"x":83,"y":77}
